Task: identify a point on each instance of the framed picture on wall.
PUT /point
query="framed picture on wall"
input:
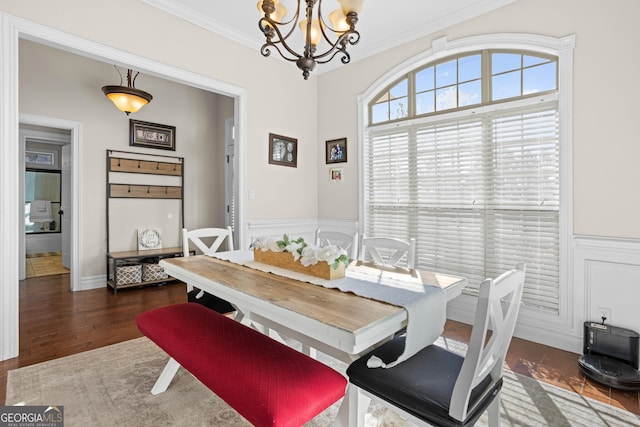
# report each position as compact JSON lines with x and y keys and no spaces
{"x":283,"y":150}
{"x":336,"y":151}
{"x":152,"y":135}
{"x":335,"y":174}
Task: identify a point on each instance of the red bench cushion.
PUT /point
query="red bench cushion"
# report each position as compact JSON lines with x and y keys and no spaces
{"x":267,"y":382}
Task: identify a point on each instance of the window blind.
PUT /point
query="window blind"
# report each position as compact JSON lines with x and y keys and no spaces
{"x":479,"y":193}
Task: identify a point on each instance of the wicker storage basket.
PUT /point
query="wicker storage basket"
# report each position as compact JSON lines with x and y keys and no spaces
{"x":128,"y":274}
{"x":151,"y":272}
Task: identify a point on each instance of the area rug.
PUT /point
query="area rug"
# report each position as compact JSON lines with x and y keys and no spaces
{"x":111,"y":386}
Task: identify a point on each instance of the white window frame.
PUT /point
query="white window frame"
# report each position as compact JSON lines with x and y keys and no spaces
{"x":533,"y":323}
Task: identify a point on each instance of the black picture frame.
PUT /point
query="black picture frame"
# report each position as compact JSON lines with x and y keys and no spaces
{"x":283,"y":150}
{"x":152,"y":135}
{"x":336,"y":151}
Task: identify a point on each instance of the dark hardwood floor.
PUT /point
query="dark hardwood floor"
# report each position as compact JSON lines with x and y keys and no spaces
{"x":55,"y":322}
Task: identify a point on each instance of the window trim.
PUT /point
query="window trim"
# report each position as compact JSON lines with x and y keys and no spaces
{"x":562,"y":48}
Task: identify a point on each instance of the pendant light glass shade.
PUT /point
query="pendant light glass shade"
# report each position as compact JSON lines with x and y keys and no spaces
{"x":127,"y":98}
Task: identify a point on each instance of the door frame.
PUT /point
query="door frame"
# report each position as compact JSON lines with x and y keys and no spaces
{"x":11,"y":30}
{"x":230,"y":179}
{"x":74,"y":190}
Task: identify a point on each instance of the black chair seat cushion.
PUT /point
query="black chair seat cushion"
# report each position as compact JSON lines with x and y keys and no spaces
{"x":210,"y":301}
{"x":421,"y":385}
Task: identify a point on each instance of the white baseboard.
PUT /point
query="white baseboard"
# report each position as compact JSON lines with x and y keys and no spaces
{"x":94,"y":282}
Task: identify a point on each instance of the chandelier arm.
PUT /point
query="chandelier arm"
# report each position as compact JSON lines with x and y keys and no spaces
{"x":345,"y":59}
{"x":119,"y":74}
{"x":265,"y":50}
{"x":133,"y":82}
{"x":277,"y":24}
{"x":323,"y":25}
{"x":352,"y":37}
{"x":279,"y":39}
{"x":340,"y":45}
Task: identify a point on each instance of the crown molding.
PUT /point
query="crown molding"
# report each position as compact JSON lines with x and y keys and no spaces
{"x":206,"y":22}
{"x":358,"y":52}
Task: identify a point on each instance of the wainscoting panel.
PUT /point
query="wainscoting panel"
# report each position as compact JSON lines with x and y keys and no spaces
{"x":608,"y":273}
{"x":304,"y":228}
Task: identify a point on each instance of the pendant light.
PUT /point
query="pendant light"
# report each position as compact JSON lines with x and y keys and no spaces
{"x":127,"y":98}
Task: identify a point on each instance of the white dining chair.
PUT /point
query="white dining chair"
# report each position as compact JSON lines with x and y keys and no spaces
{"x":346,"y":241}
{"x":436,"y":386}
{"x":389,"y":251}
{"x":219,"y":236}
{"x":216,"y":236}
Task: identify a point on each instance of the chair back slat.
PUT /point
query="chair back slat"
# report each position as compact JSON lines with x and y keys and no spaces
{"x":497,"y":311}
{"x":196,"y":236}
{"x":348,"y":242}
{"x":388,"y":251}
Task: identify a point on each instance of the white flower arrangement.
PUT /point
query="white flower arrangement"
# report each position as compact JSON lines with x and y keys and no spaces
{"x":305,"y":253}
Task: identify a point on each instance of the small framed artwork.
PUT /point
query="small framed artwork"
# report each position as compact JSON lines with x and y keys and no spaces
{"x":149,"y":238}
{"x":335,"y":174}
{"x":283,"y":150}
{"x":337,"y":150}
{"x":152,"y":135}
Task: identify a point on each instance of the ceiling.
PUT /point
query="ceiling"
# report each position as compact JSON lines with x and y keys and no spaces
{"x":380,"y":27}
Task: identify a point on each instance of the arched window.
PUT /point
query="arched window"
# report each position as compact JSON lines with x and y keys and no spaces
{"x":464,"y":81}
{"x":462,"y":152}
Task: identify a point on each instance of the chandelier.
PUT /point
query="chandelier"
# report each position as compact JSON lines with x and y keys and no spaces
{"x":338,"y":35}
{"x":127,"y":98}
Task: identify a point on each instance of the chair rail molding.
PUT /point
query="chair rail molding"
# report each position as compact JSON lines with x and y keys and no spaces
{"x":294,"y":228}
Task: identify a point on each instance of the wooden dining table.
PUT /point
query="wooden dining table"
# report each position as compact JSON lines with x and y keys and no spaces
{"x":340,"y":324}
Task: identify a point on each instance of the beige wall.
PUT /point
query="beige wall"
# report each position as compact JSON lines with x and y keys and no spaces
{"x":279,"y":101}
{"x":606,"y":146}
{"x":54,"y":83}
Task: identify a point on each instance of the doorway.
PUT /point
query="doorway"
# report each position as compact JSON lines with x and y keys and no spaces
{"x":13,"y":30}
{"x":45,"y":196}
{"x":47,"y":149}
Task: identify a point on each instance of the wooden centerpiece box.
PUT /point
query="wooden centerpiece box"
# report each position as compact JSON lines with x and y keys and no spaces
{"x":286,"y":260}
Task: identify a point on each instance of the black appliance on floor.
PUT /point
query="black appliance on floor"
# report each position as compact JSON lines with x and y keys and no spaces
{"x":610,"y":356}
